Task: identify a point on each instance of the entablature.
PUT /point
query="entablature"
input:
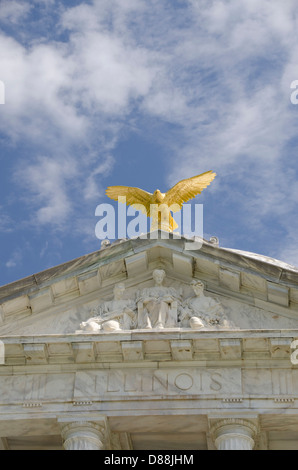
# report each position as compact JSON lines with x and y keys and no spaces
{"x":216,"y":348}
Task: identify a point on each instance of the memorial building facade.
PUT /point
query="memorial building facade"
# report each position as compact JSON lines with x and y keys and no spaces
{"x":147,"y":345}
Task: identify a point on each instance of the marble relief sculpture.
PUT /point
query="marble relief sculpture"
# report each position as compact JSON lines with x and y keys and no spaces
{"x":116,"y":314}
{"x":202,"y":311}
{"x":156,"y":307}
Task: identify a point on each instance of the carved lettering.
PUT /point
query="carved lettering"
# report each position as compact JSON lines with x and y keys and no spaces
{"x":146,"y":382}
{"x":164,"y":382}
{"x":130,"y":383}
{"x":112,"y":385}
{"x":183,"y":381}
{"x":215,"y":385}
{"x":200,"y":382}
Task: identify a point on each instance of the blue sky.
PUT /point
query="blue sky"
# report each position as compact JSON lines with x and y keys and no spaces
{"x":145,"y":93}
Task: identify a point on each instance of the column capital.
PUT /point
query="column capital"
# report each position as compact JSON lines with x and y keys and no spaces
{"x":234,"y":433}
{"x":80,"y":434}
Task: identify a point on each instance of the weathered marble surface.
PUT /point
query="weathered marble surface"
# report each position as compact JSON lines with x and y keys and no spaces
{"x":91,"y":386}
{"x":254,"y":291}
{"x":154,"y":382}
{"x":239,"y":314}
{"x":159,"y":388}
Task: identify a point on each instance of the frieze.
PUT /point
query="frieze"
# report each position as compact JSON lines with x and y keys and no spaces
{"x":157,"y":307}
{"x":165,"y":382}
{"x":231,"y":385}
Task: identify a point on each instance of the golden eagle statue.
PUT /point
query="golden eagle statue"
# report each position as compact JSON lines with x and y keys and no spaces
{"x":154,"y":205}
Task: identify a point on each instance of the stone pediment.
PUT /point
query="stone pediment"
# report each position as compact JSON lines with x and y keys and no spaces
{"x":116,"y":289}
{"x":146,"y":344}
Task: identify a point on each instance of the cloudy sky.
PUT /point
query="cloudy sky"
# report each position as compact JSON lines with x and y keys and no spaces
{"x":145,"y":93}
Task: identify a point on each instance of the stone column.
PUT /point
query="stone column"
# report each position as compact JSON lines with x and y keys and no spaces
{"x":234,"y":434}
{"x":84,"y":435}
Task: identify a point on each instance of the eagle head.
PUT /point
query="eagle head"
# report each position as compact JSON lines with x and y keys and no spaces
{"x":158,"y":196}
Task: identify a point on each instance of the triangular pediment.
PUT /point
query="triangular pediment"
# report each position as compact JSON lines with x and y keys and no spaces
{"x":250,"y":291}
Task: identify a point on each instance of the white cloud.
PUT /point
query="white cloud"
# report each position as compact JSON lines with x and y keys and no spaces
{"x":57,"y":87}
{"x":44,"y":249}
{"x":36,"y":80}
{"x":6,"y":223}
{"x":219,"y":71}
{"x":108,"y":74}
{"x":15,"y":259}
{"x":13,"y":10}
{"x":92,"y":188}
{"x":63,"y":94}
{"x":236,"y":118}
{"x":48,"y":179}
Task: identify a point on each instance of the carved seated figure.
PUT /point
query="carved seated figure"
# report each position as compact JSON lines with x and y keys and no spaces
{"x":157,"y":306}
{"x":112,"y":315}
{"x":202,"y":311}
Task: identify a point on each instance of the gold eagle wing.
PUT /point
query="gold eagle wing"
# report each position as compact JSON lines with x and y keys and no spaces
{"x":187,"y":189}
{"x":135,"y":197}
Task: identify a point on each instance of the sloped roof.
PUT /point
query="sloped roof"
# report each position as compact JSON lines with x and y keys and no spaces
{"x":274,"y":269}
{"x":61,"y":293}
